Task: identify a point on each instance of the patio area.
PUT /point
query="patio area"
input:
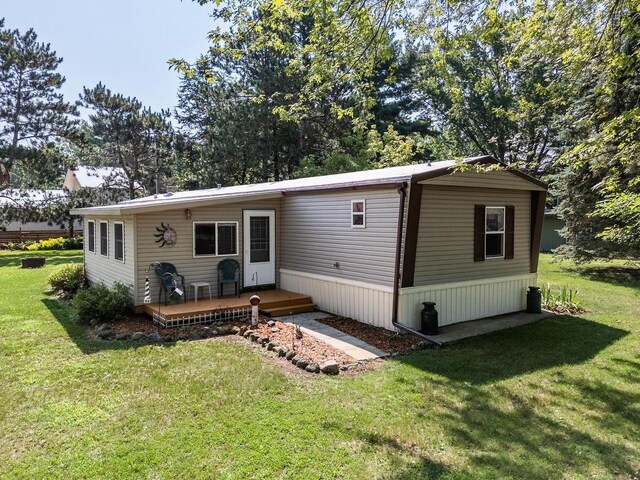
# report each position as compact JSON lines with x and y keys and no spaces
{"x":225,"y":308}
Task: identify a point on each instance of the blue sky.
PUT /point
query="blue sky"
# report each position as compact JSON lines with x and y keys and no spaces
{"x":123,"y":43}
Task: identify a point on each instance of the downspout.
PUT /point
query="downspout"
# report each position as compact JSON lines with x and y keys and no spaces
{"x":396,"y":276}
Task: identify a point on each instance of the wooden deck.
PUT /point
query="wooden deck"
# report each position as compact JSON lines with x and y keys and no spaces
{"x":205,"y":310}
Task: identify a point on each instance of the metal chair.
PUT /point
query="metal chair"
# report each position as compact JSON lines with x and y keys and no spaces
{"x":170,"y":279}
{"x":228,"y":272}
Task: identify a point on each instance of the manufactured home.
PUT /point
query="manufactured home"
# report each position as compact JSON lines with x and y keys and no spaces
{"x":369,"y":245}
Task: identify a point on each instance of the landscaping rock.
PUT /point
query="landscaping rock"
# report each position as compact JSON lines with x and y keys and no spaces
{"x":302,"y":363}
{"x":195,"y":335}
{"x":242,"y":330}
{"x":208,"y":332}
{"x":254,"y":336}
{"x":271,"y":323}
{"x":264,"y":341}
{"x":330,"y":367}
{"x":224,"y":329}
{"x":247,"y":334}
{"x":275,"y":329}
{"x":272,"y":345}
{"x":122,"y":336}
{"x":313,"y":368}
{"x":290,"y":354}
{"x":137,"y":336}
{"x":294,"y":360}
{"x":155,"y":337}
{"x":281,"y":351}
{"x":235,"y":330}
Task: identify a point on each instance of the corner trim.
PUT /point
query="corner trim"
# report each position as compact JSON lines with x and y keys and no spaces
{"x":411,"y":235}
{"x":538,"y":201}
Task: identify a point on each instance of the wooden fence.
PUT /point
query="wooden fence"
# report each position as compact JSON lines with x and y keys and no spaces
{"x":34,"y":235}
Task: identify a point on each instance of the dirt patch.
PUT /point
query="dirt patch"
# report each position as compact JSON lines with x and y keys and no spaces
{"x":379,"y":337}
{"x":311,"y":348}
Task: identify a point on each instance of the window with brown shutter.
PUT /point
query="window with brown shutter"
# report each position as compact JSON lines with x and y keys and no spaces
{"x":509,"y":232}
{"x":493,"y":232}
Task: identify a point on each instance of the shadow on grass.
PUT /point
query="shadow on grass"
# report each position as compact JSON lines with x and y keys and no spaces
{"x":615,"y":275}
{"x":552,"y":342}
{"x":80,"y":335}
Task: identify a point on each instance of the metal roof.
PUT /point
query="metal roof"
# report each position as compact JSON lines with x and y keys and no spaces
{"x":276,"y":189}
{"x":94,"y":177}
{"x":24,"y":197}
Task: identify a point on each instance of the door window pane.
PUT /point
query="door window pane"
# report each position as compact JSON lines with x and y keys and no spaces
{"x":259,"y":246}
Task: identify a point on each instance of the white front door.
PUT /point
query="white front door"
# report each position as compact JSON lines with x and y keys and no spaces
{"x":259,"y":242}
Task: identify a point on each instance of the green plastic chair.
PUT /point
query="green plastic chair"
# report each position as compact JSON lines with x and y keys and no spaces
{"x":228,"y":272}
{"x":167,"y":273}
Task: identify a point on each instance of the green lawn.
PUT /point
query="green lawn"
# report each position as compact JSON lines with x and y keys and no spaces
{"x":557,"y":399}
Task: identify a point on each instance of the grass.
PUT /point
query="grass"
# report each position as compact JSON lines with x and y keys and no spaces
{"x":560,"y":398}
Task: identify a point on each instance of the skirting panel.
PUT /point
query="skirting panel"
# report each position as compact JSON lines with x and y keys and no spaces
{"x":361,"y":301}
{"x":463,"y":301}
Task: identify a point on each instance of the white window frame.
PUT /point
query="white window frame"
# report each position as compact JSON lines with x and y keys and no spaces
{"x":91,"y":222}
{"x":114,"y":242}
{"x":363,"y":213}
{"x":215,"y":223}
{"x":501,"y":232}
{"x":106,"y":222}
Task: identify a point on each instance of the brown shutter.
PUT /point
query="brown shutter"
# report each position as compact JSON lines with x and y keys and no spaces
{"x":478,"y":233}
{"x":509,"y":226}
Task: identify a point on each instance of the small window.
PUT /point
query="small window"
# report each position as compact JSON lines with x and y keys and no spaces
{"x":104,"y":239}
{"x":91,"y":236}
{"x":118,"y":241}
{"x":494,"y":232}
{"x":358,"y":212}
{"x":215,"y":239}
{"x":204,"y":239}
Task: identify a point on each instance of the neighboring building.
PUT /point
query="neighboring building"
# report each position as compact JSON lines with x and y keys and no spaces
{"x":96,"y":177}
{"x":36,"y":229}
{"x":551,"y":239}
{"x":368,"y":245}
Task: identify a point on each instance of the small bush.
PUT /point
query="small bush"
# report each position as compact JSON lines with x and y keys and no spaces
{"x":565,"y":301}
{"x":103,"y":304}
{"x":68,"y":279}
{"x":19,"y":245}
{"x":59,"y":243}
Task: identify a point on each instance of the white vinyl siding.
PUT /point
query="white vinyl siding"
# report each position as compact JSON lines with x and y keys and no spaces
{"x":317,"y":236}
{"x":198,"y":268}
{"x":107,"y":270}
{"x":445,"y":247}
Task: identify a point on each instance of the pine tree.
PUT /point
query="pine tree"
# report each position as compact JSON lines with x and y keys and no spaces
{"x":33,"y":112}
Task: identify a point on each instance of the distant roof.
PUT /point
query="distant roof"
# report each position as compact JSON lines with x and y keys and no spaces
{"x":275,"y":189}
{"x":18,"y":197}
{"x":95,"y":177}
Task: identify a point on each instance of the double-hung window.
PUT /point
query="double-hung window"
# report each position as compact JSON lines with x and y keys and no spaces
{"x":494,"y":232}
{"x":104,"y":238}
{"x":118,"y":241}
{"x":211,"y":239}
{"x":358,"y":212}
{"x":91,"y":236}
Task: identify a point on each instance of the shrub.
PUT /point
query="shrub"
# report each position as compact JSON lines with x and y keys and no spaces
{"x":565,"y":301}
{"x":59,"y":243}
{"x":103,"y":304}
{"x":19,"y":245}
{"x":68,"y":279}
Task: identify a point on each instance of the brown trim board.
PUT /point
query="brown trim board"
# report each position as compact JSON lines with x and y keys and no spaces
{"x":411,"y":235}
{"x":538,"y":201}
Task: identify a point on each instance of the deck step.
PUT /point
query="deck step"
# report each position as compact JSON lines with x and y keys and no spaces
{"x":288,"y":302}
{"x":283,"y":311}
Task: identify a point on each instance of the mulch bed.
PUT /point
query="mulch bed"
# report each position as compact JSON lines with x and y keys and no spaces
{"x":309,"y":347}
{"x":379,"y":337}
